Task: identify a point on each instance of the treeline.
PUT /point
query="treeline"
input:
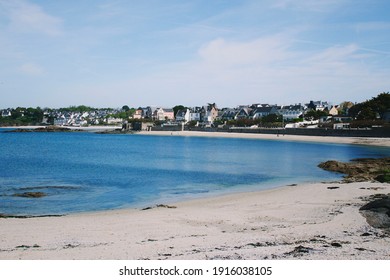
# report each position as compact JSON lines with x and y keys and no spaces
{"x":372,"y":109}
{"x":22,"y":116}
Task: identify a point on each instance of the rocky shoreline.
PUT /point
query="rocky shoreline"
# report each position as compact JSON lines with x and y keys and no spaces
{"x":50,"y":128}
{"x":361,"y":169}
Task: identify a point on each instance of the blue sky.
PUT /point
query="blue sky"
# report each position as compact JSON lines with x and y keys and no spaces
{"x":110,"y":53}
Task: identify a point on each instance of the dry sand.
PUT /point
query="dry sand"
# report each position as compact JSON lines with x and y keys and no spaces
{"x":384,"y":142}
{"x":309,"y":221}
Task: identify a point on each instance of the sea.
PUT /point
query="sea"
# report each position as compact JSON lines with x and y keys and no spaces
{"x":83,"y":171}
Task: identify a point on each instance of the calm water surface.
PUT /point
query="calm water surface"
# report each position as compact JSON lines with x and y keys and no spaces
{"x":87,"y":172}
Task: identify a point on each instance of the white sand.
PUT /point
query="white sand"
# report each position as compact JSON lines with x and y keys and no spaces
{"x":258,"y":225}
{"x":384,"y":142}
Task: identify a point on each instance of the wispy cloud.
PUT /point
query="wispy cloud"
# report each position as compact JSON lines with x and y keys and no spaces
{"x":31,"y":69}
{"x":307,"y":5}
{"x":26,"y":17}
{"x":335,"y":56}
{"x":260,"y":51}
{"x":264,"y":69}
{"x":372,"y":26}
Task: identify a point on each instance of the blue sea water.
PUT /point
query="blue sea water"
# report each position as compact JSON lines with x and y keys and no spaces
{"x":88,"y":172}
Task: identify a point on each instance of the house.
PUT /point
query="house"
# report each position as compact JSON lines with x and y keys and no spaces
{"x":138,"y":114}
{"x":6,"y":113}
{"x":183,"y":115}
{"x":318,"y":105}
{"x":243,"y":113}
{"x":209,"y":113}
{"x":195,"y":114}
{"x":111,"y":120}
{"x":260,"y":112}
{"x":169,"y":114}
{"x":147,"y":112}
{"x":228,"y":114}
{"x":61,"y":121}
{"x":334,"y":110}
{"x":291,"y":112}
{"x":163,"y":114}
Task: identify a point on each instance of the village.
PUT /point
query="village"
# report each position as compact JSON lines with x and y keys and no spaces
{"x":313,"y":114}
{"x":208,"y":115}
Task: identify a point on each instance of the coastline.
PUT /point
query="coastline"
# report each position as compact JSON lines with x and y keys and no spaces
{"x":308,"y":221}
{"x":382,"y":142}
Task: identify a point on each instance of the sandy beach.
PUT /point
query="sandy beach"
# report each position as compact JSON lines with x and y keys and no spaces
{"x":307,"y":221}
{"x":384,"y":142}
{"x":311,"y":221}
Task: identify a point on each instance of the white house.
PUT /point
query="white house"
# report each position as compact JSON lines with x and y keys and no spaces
{"x":183,"y":115}
{"x":6,"y":113}
{"x":291,"y":112}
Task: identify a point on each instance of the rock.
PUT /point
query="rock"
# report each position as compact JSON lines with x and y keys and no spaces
{"x":361,"y":170}
{"x":50,"y":128}
{"x":165,"y":206}
{"x":377,"y":212}
{"x":379,"y":205}
{"x":336,"y":244}
{"x":159,"y":206}
{"x":30,"y":194}
{"x":300,"y":250}
{"x":6,"y":216}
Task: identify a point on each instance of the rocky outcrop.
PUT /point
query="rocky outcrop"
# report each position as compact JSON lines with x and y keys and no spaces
{"x":50,"y":128}
{"x":361,"y":170}
{"x":377,"y":211}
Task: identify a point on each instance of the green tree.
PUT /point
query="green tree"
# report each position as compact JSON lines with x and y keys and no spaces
{"x":315,"y":115}
{"x":272,"y":118}
{"x":371,"y":109}
{"x":177,"y":108}
{"x":344,"y":107}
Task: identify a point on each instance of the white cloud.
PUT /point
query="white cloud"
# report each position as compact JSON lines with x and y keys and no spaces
{"x":266,"y":70}
{"x":30,"y":18}
{"x":334,"y":56}
{"x":31,"y":69}
{"x":260,"y":51}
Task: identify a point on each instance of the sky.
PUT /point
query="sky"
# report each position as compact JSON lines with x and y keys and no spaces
{"x":110,"y":53}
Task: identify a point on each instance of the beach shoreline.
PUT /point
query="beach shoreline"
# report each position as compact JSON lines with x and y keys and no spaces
{"x":371,"y":141}
{"x":307,"y":221}
{"x":382,"y":142}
